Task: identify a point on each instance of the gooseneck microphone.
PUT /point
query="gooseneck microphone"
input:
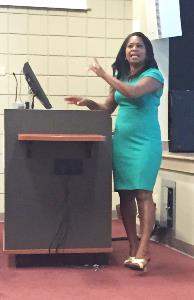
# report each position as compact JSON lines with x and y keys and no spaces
{"x":16,"y":92}
{"x":18,"y":104}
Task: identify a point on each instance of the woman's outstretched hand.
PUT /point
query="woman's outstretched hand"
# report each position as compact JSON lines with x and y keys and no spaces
{"x":97,"y":69}
{"x":76,"y":100}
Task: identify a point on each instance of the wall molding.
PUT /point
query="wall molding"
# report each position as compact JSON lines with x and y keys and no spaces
{"x":65,"y":4}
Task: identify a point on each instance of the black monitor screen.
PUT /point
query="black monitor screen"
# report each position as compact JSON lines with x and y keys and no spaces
{"x":35,"y":86}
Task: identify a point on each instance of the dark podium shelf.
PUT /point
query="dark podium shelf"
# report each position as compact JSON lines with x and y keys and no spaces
{"x":61,"y":137}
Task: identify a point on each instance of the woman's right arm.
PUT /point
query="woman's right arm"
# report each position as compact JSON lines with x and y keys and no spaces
{"x":109,"y":105}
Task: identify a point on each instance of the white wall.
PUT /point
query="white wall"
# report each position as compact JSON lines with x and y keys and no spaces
{"x":157,"y":18}
{"x":161,"y":50}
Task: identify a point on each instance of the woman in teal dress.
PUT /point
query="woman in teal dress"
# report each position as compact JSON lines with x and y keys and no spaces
{"x":135,"y":87}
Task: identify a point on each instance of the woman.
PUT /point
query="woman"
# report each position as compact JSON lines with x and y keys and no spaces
{"x":136,"y":87}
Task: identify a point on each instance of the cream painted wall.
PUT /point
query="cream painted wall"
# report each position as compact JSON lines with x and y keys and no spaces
{"x":59,"y":46}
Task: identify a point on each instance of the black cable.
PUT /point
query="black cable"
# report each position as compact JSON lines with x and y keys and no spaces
{"x":16,"y":92}
{"x":62,"y":229}
{"x":32,"y":105}
{"x":66,"y":221}
{"x":119,"y":238}
{"x":62,"y":233}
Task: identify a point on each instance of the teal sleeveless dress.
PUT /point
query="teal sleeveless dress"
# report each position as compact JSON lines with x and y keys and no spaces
{"x":137,"y":147}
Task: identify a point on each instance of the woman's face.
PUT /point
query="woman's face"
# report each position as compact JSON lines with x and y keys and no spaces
{"x":135,"y":51}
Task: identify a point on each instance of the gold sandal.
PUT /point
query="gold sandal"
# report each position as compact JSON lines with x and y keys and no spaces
{"x":128,"y":261}
{"x":139,"y":264}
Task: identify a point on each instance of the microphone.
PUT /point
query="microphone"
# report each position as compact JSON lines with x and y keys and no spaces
{"x":16,"y":92}
{"x":18,"y":104}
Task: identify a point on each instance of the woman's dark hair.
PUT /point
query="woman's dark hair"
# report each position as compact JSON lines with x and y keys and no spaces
{"x":121,"y":66}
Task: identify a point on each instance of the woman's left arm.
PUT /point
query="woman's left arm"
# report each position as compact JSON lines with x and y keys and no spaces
{"x":144,"y":86}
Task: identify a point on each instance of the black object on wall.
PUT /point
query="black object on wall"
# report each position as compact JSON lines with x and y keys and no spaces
{"x":181,"y":83}
{"x":181,"y":51}
{"x":181,"y":63}
{"x":181,"y":121}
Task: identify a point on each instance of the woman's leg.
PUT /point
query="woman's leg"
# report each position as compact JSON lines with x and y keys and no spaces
{"x":128,"y":210}
{"x":147,"y":208}
{"x":140,"y":217}
{"x":140,"y":205}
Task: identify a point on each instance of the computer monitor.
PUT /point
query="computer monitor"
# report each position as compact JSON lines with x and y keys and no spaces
{"x":35,"y":86}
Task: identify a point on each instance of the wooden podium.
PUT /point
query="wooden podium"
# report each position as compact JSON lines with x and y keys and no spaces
{"x":58,"y":183}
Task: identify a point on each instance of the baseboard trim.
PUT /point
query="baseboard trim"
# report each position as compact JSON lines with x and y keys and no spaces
{"x":114,"y":215}
{"x":2,"y":217}
{"x":182,"y":246}
{"x":167,"y":238}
